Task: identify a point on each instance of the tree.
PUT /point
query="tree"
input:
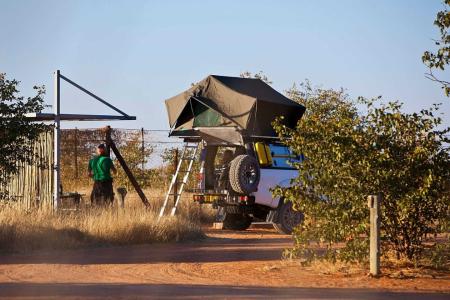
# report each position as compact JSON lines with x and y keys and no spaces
{"x":170,"y":163}
{"x":136,"y":155}
{"x":441,"y":58}
{"x":16,"y":131}
{"x":78,"y":147}
{"x":350,"y":155}
{"x":260,"y":75}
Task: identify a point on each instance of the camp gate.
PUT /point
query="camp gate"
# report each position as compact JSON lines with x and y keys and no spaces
{"x":39,"y":183}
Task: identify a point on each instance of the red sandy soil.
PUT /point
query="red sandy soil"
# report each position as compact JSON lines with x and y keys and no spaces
{"x":225,"y":265}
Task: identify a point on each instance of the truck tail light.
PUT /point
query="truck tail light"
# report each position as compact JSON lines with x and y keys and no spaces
{"x":198,"y":198}
{"x":243,"y":198}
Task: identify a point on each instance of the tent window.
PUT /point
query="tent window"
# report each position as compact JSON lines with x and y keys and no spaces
{"x":205,"y":116}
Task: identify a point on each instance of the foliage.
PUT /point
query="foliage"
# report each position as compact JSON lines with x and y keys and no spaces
{"x":77,"y":148}
{"x":168,"y":157}
{"x":260,"y":75}
{"x":349,"y":156}
{"x":16,"y":131}
{"x":136,"y":155}
{"x":412,"y":169}
{"x":441,"y":57}
{"x":439,"y":255}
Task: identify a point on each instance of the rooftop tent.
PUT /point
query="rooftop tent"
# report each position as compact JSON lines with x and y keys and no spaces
{"x":240,"y":104}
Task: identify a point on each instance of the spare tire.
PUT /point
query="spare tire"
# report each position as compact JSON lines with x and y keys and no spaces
{"x":244,"y":174}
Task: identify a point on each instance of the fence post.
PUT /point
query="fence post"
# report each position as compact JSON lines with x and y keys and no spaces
{"x":76,"y":152}
{"x":374,"y":202}
{"x":143,"y":147}
{"x":121,"y":192}
{"x":175,"y":184}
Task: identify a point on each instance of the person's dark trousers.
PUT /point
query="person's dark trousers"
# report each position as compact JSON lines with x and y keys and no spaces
{"x":102,"y":193}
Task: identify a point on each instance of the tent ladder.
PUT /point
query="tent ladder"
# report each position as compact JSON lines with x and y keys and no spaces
{"x":188,"y":156}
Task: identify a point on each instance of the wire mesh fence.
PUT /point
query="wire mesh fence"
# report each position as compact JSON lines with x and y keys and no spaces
{"x":148,"y":154}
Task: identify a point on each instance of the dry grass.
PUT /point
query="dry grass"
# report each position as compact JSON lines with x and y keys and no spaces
{"x":24,"y":231}
{"x":389,"y":269}
{"x":433,"y":263}
{"x":187,"y":208}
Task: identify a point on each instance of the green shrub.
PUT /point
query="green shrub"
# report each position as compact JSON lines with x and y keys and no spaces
{"x":352,"y":154}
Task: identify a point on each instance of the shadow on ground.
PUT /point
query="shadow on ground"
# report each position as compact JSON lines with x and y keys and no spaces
{"x":166,"y":291}
{"x":209,"y":250}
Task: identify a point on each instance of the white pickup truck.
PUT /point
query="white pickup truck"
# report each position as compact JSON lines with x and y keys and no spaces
{"x":238,"y":182}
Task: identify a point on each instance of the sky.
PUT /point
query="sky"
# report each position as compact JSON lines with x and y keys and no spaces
{"x":136,"y":54}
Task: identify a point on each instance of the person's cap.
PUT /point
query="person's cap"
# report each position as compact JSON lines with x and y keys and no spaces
{"x":101,"y":146}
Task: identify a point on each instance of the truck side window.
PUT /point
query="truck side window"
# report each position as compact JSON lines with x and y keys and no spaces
{"x":282,"y":157}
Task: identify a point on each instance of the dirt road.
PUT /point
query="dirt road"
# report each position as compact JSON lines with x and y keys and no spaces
{"x":225,"y":265}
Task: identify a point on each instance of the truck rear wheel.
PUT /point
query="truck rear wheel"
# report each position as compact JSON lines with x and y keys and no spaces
{"x":287,"y":218}
{"x":244,"y":174}
{"x":233,"y":221}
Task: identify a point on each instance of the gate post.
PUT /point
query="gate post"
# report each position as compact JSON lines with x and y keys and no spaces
{"x":57,"y":144}
{"x":374,"y":202}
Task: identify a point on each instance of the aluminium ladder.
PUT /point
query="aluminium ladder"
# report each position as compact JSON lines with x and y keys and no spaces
{"x":187,"y":160}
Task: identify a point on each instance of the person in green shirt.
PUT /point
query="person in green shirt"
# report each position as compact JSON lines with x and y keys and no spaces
{"x":100,"y":167}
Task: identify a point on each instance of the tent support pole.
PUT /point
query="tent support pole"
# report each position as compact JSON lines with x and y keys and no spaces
{"x":226,"y":116}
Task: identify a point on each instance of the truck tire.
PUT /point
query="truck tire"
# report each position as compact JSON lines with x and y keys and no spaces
{"x":233,"y":221}
{"x":237,"y":222}
{"x":244,"y":174}
{"x":287,"y":218}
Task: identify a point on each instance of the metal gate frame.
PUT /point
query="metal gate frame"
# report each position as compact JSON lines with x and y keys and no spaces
{"x":56,"y":117}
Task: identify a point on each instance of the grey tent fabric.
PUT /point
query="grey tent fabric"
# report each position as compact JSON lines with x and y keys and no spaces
{"x":220,"y":135}
{"x":248,"y":104}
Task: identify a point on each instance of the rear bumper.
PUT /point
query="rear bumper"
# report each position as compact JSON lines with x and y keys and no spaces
{"x":223,"y":199}
{"x":208,"y":198}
